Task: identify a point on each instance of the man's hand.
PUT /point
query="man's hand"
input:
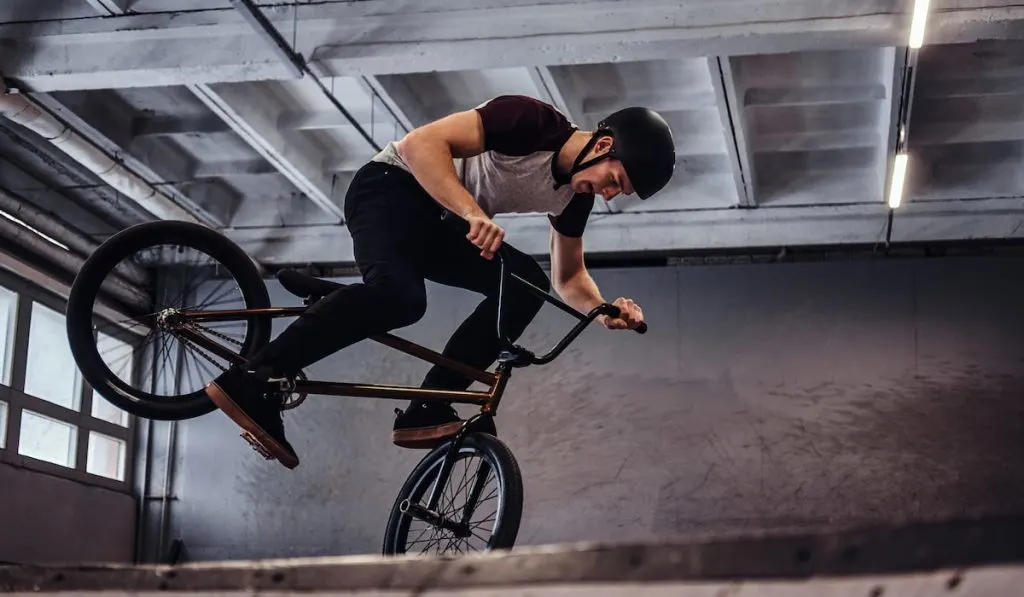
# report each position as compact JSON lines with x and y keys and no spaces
{"x":485,"y":234}
{"x":629,"y":317}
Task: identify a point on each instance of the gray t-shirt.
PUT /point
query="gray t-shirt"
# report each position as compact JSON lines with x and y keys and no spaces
{"x":516,"y":173}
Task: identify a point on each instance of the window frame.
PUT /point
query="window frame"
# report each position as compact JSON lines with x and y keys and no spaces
{"x":28,"y":292}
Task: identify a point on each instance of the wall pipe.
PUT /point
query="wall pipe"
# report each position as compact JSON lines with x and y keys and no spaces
{"x":18,"y":207}
{"x":19,"y":108}
{"x":116,"y":286}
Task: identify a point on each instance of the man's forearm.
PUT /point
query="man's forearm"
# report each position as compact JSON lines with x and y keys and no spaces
{"x":580,"y":292}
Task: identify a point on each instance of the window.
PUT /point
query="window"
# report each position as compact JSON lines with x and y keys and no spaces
{"x":106,"y":456}
{"x":51,"y":373}
{"x":47,"y":439}
{"x":49,"y":418}
{"x":8,"y":312}
{"x":3,"y":425}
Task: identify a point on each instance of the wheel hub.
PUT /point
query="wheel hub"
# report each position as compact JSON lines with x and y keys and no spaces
{"x":168,"y":318}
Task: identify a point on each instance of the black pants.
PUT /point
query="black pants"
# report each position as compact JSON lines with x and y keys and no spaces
{"x":400,"y":241}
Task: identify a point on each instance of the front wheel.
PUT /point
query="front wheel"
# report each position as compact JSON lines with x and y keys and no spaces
{"x":481,"y":501}
{"x":141,"y":363}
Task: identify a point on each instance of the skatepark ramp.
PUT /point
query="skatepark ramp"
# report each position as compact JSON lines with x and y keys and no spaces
{"x":983,"y":556}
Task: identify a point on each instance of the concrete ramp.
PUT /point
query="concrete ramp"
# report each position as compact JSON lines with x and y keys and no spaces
{"x":963,"y":557}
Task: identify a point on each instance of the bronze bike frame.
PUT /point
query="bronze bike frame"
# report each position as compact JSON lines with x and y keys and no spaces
{"x":514,"y":356}
{"x":488,"y":399}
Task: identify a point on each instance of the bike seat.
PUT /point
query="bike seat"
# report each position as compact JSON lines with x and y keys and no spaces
{"x":306,"y":286}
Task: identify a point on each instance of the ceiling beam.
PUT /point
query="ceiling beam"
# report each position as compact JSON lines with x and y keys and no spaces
{"x":816,"y":140}
{"x":388,"y":103}
{"x":969,"y":132}
{"x":661,"y":100}
{"x":559,"y":96}
{"x":394,"y":36}
{"x":234,"y":168}
{"x":164,"y":126}
{"x":301,"y":120}
{"x":344,"y":164}
{"x":919,"y":221}
{"x":255,"y":122}
{"x":397,"y":98}
{"x":814,"y":96}
{"x":732,"y":112}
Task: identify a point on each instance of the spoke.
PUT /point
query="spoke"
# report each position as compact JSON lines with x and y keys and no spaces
{"x":129,"y":323}
{"x":451,"y":541}
{"x":423,"y":532}
{"x":186,"y":286}
{"x":166,"y":360}
{"x":219,"y":299}
{"x":206,"y":300}
{"x":490,"y":496}
{"x":465,"y":477}
{"x":188,"y":369}
{"x":479,"y":523}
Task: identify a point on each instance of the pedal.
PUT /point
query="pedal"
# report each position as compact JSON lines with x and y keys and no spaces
{"x":255,"y":445}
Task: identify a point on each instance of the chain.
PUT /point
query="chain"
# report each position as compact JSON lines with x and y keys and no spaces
{"x":196,"y":326}
{"x":198,"y":349}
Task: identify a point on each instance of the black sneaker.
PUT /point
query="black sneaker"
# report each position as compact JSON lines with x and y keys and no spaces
{"x":425,"y":426}
{"x":254,"y":406}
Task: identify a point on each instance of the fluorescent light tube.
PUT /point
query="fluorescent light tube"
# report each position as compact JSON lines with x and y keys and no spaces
{"x":899,"y":176}
{"x":918,"y":23}
{"x":49,"y":239}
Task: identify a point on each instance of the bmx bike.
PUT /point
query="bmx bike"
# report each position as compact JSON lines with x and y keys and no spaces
{"x":194,"y":270}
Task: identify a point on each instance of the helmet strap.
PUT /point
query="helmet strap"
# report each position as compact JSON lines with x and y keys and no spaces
{"x":578,"y":164}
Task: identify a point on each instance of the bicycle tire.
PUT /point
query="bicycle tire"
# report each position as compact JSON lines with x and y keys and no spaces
{"x":86,"y":288}
{"x":419,"y":481}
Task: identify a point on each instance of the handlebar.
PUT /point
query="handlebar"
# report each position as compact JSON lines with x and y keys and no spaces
{"x":585,"y":319}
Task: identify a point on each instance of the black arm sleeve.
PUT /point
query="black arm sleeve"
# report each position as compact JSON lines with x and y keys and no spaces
{"x":573,"y":219}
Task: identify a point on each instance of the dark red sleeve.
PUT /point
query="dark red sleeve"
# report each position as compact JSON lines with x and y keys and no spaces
{"x":521,"y":125}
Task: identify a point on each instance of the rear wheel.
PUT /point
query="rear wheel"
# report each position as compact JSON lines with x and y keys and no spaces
{"x":482,"y":497}
{"x":139,"y":362}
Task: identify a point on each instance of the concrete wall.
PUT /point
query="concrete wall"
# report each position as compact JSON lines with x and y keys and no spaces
{"x":763,"y":396}
{"x":47,"y":519}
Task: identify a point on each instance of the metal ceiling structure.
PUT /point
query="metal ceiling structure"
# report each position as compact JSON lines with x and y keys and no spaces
{"x":252,"y":116}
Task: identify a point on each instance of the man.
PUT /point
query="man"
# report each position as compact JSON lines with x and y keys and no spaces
{"x":511,"y":154}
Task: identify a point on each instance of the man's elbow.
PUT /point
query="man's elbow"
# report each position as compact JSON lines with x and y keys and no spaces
{"x":418,"y":142}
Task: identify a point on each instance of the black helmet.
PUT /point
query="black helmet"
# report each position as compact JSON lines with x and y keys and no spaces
{"x":644,"y":145}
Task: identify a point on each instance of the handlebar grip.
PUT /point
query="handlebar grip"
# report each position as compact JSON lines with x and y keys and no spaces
{"x":614,"y":311}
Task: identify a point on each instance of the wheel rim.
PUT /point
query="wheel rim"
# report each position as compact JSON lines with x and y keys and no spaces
{"x":189,"y":278}
{"x":417,"y":536}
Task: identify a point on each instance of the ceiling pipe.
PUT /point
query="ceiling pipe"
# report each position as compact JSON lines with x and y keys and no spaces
{"x":19,"y":108}
{"x":31,"y":215}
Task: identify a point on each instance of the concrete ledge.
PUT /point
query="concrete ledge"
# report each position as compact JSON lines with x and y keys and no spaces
{"x":981,"y":553}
